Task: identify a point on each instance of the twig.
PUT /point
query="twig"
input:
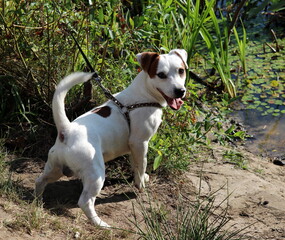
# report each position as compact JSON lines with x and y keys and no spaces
{"x":234,"y":20}
{"x":197,"y":78}
{"x":27,"y":27}
{"x":200,"y":80}
{"x":275,"y":38}
{"x":272,"y":48}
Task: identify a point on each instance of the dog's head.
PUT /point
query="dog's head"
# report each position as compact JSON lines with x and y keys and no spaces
{"x":166,"y":74}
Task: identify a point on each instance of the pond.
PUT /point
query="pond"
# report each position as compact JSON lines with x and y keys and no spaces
{"x":262,"y":105}
{"x":268,"y":132}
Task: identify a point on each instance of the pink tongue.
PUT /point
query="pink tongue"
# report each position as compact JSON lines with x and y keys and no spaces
{"x":175,"y":103}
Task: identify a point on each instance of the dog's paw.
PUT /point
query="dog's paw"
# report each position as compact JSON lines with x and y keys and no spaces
{"x":140,"y":181}
{"x":104,"y":225}
{"x":146,"y":178}
{"x":139,"y":185}
{"x":99,"y":222}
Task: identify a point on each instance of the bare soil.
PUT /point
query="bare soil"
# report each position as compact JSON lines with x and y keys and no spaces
{"x":256,"y":199}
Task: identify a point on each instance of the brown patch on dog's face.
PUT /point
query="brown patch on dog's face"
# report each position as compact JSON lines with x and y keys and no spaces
{"x":149,"y":63}
{"x":103,"y":111}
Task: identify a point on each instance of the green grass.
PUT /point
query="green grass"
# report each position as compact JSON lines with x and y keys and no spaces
{"x":242,"y":46}
{"x":7,"y":186}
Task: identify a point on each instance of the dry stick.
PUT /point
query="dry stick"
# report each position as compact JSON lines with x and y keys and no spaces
{"x":201,"y":81}
{"x":275,"y":38}
{"x":197,"y":78}
{"x":272,"y":48}
{"x":34,"y":28}
{"x":233,"y":22}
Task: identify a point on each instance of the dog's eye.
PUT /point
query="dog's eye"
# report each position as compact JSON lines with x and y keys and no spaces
{"x":161,"y":75}
{"x":181,"y":71}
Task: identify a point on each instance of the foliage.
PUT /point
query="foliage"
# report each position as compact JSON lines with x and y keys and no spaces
{"x":175,"y":151}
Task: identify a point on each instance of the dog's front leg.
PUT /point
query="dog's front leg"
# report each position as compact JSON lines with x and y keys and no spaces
{"x":139,"y":162}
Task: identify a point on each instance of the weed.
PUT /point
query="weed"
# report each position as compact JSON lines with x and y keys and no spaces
{"x":34,"y":218}
{"x":7,"y":186}
{"x":242,"y":47}
{"x":199,"y":220}
{"x":235,"y":158}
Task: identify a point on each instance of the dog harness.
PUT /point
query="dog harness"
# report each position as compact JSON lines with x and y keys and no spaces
{"x":125,"y":110}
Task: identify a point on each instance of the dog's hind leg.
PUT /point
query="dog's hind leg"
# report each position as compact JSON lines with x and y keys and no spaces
{"x":93,"y":181}
{"x":51,"y":174}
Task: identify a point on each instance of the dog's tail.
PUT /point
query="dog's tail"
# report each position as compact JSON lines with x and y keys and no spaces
{"x":59,"y":115}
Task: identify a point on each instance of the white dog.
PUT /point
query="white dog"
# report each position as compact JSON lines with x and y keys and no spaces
{"x":102,"y":134}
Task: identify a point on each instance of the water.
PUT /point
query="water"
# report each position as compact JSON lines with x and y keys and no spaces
{"x":268,"y":132}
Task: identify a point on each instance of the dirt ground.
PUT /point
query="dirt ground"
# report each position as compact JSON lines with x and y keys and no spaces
{"x":256,"y":198}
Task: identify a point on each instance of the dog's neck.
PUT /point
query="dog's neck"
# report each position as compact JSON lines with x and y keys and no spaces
{"x":138,"y":95}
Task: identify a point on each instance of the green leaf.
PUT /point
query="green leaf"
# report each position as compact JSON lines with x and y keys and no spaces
{"x":132,"y":23}
{"x":230,"y":130}
{"x":101,"y":15}
{"x":167,"y":4}
{"x":240,"y":134}
{"x":157,"y":162}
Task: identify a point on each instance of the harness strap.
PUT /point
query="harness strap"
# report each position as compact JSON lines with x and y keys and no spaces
{"x":138,"y":105}
{"x":124,"y":109}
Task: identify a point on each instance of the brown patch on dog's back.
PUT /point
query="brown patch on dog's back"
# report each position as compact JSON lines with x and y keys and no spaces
{"x":149,"y":63}
{"x":103,"y":111}
{"x":61,"y":136}
{"x":67,"y":171}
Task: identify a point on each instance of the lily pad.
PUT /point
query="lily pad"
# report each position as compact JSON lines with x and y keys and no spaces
{"x":271,"y":101}
{"x":275,"y":114}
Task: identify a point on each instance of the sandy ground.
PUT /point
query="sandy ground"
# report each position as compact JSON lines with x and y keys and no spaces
{"x":255,"y":198}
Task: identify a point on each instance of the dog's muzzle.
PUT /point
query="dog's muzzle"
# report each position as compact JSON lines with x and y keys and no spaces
{"x":179,"y":92}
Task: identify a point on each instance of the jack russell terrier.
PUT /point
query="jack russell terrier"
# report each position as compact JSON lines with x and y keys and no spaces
{"x":83,"y":146}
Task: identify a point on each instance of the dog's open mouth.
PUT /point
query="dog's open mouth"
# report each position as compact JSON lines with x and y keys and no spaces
{"x":174,"y":103}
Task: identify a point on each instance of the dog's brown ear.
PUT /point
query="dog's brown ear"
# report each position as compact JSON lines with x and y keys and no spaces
{"x":182,"y":54}
{"x":149,"y":62}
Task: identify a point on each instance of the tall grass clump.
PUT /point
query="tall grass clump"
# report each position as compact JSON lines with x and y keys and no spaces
{"x":242,"y":44}
{"x":203,"y":219}
{"x":32,"y":219}
{"x":6,"y":184}
{"x":9,"y":187}
{"x":217,"y":45}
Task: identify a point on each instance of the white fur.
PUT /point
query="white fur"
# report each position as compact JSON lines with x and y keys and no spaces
{"x":91,"y":140}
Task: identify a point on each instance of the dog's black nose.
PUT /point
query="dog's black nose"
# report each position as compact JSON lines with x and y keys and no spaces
{"x":179,"y":92}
